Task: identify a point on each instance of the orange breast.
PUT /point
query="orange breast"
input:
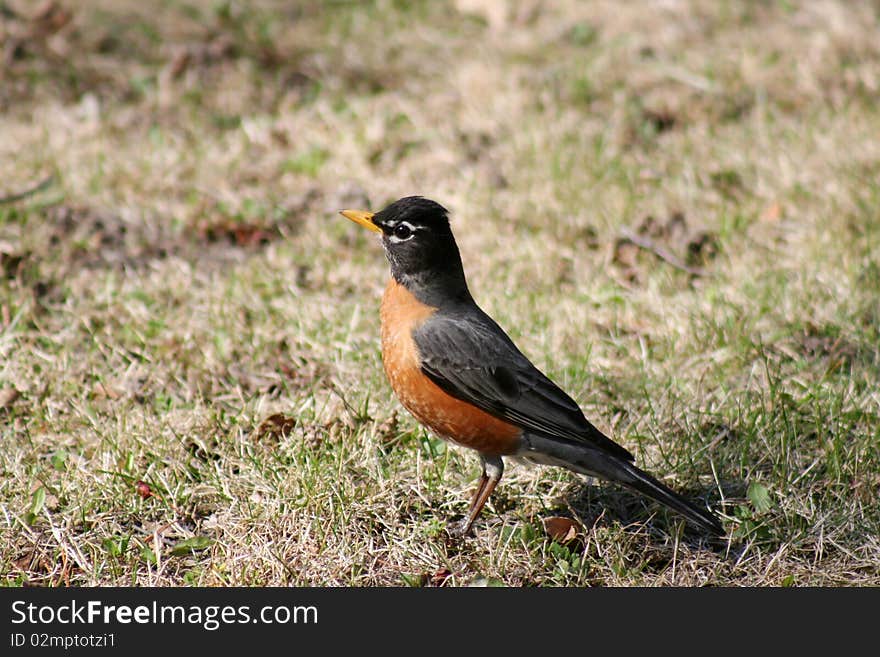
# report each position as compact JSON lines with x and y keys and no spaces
{"x":447,"y":416}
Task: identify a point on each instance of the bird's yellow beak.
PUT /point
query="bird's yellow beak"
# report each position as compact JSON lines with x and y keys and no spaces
{"x":361,"y":217}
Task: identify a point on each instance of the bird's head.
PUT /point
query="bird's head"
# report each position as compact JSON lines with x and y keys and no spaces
{"x":418,"y":243}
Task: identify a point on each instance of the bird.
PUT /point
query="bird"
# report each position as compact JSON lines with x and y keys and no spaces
{"x":460,"y":375}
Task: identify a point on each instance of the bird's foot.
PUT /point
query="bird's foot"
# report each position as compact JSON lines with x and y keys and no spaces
{"x":458,"y":528}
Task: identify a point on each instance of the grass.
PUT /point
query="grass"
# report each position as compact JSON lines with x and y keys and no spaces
{"x":190,"y":382}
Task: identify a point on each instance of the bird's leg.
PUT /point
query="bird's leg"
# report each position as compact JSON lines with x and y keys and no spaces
{"x":460,"y":528}
{"x":493,"y":469}
{"x":484,"y":479}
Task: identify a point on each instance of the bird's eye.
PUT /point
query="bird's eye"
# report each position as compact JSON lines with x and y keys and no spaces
{"x":402,"y":231}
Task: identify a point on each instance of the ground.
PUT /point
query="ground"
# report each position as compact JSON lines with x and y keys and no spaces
{"x":672,"y":207}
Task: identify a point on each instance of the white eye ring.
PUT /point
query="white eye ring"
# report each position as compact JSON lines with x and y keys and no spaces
{"x":402,"y":232}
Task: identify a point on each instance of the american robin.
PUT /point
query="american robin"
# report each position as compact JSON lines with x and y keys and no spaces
{"x":459,"y":373}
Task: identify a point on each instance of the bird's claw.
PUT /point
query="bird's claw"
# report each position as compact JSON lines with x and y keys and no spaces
{"x":458,"y":528}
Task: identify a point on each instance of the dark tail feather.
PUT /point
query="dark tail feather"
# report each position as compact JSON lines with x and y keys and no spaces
{"x":597,"y":463}
{"x":644,"y":483}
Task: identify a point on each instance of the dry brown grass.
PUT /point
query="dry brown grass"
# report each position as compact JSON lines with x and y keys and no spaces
{"x":186,"y":279}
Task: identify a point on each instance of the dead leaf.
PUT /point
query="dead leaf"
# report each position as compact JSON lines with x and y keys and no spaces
{"x":204,"y":451}
{"x":625,"y":254}
{"x":560,"y":529}
{"x":701,"y":249}
{"x":51,"y":17}
{"x":276,"y":426}
{"x":8,"y":396}
{"x":252,"y":235}
{"x":178,"y":63}
{"x":25,"y":561}
{"x":439,"y":578}
{"x":11,"y":263}
{"x":236,"y":233}
{"x":651,"y":227}
{"x":143,"y":489}
{"x":299,"y":372}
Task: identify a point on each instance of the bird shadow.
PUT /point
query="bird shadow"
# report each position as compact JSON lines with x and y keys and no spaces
{"x":610,"y":506}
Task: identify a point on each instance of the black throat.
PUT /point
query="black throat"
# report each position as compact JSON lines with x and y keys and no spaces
{"x":435,"y":278}
{"x":421,"y":249}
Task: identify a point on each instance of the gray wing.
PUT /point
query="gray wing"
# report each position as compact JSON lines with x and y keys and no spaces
{"x":472,"y":359}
